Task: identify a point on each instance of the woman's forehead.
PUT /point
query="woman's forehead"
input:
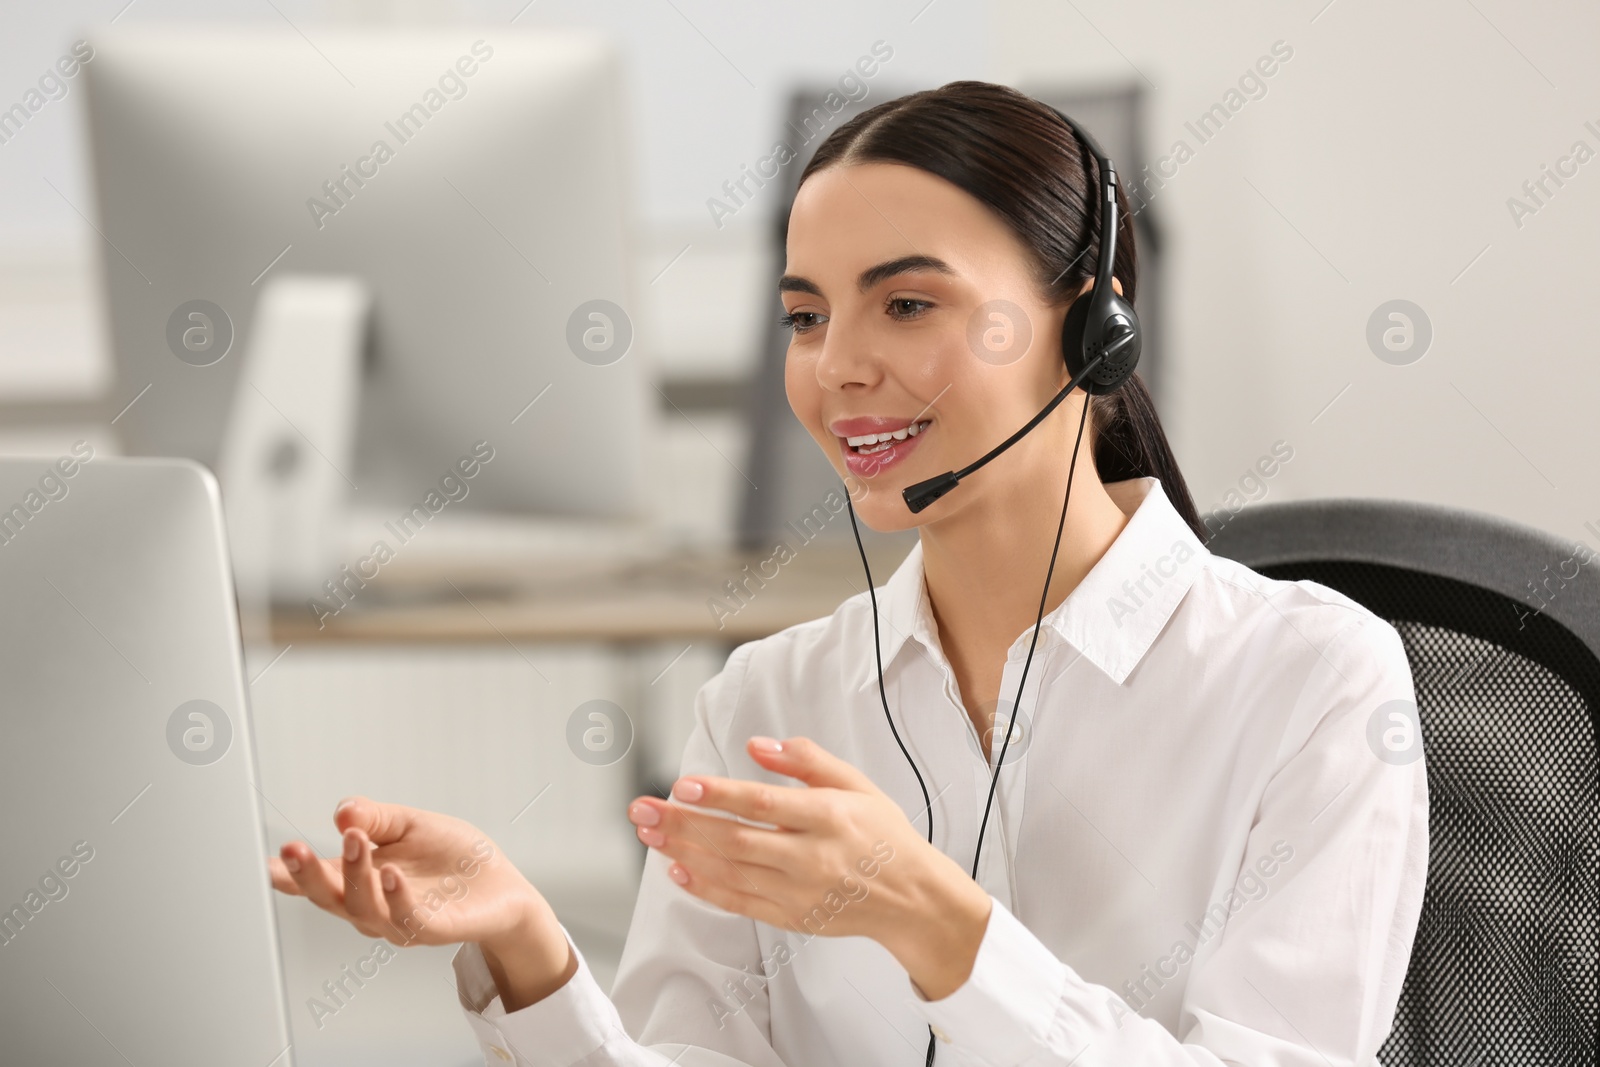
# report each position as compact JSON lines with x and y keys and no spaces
{"x":849,"y":219}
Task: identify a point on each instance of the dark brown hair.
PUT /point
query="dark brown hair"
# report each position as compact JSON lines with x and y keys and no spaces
{"x":1014,"y":154}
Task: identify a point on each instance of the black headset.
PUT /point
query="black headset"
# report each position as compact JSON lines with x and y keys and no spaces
{"x":1100,"y":343}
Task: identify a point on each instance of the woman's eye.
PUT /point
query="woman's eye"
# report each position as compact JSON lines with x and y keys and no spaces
{"x":896,"y":307}
{"x":799,"y":321}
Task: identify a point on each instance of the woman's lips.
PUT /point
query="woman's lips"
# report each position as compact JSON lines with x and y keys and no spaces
{"x":877,"y":462}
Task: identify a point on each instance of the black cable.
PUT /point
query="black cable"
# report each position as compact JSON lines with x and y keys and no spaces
{"x":1043,"y":597}
{"x":877,"y":650}
{"x":1022,"y":684}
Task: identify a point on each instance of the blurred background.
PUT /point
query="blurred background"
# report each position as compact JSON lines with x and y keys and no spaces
{"x":528,"y":346}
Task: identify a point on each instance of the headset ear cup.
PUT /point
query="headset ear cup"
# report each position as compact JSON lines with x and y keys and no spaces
{"x":1120,"y":319}
{"x":1072,"y":335}
{"x":1111,"y":373}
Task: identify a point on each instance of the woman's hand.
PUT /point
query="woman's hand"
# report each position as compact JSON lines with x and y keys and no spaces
{"x":837,"y":857}
{"x":433,"y":880}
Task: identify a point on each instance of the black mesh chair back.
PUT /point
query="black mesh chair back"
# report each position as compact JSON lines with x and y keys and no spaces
{"x":1501,"y":624}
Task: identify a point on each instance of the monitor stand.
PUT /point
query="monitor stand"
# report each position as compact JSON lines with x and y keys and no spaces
{"x":288,"y":457}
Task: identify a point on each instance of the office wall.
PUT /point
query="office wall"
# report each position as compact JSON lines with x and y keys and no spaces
{"x":1375,"y":164}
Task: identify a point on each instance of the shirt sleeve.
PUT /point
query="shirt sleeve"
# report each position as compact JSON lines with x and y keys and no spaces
{"x":669,"y":1003}
{"x":1315,"y":933}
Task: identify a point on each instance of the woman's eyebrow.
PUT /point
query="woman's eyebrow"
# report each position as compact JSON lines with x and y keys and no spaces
{"x":793,"y":283}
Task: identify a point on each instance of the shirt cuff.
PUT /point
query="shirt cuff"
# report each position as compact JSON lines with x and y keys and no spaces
{"x":558,"y":1031}
{"x":1007,"y":1006}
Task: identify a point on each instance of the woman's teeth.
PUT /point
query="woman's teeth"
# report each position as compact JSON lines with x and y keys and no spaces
{"x":867,"y":444}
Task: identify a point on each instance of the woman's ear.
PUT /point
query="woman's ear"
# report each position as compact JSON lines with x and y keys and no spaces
{"x":1116,"y":286}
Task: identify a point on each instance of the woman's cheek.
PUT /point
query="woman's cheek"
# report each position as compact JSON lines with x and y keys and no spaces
{"x":804,"y":394}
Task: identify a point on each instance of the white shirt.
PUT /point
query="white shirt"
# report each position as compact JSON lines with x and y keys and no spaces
{"x":1208,"y":844}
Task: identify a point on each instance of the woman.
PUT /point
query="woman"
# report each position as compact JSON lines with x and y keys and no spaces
{"x":1194,"y":854}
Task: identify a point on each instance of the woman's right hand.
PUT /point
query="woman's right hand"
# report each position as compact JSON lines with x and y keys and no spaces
{"x":417,"y":877}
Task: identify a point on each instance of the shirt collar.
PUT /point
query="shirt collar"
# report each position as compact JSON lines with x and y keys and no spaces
{"x":1112,"y":617}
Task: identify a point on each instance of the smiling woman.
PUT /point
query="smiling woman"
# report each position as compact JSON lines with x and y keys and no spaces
{"x":1169,"y":749}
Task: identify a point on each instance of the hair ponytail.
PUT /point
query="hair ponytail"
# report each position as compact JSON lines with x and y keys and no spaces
{"x":1129,"y":442}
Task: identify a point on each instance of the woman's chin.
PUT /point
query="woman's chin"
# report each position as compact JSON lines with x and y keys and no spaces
{"x":883,"y":510}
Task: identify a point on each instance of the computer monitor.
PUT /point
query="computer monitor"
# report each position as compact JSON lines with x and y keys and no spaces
{"x":136,"y":920}
{"x":475,"y":184}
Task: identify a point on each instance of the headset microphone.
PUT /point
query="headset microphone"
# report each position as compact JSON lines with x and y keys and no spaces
{"x":1100,"y":342}
{"x":923,"y":493}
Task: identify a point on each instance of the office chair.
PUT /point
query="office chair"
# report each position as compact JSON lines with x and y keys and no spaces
{"x":1501,"y":625}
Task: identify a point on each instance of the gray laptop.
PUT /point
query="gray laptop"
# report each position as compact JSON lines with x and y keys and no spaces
{"x":136,"y":921}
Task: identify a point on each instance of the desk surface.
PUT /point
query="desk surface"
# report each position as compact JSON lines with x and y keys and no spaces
{"x":665,"y":597}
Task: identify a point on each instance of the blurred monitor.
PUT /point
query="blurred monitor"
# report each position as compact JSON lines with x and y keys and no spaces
{"x":136,"y":917}
{"x":473,"y":183}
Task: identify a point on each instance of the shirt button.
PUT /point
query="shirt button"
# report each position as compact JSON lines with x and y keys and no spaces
{"x":940,"y":1034}
{"x":502,"y":1053}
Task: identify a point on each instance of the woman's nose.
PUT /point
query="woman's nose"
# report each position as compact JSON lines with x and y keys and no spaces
{"x":847,"y":359}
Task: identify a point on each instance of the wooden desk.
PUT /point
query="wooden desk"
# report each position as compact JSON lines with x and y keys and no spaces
{"x":631,"y":605}
{"x":632,"y":601}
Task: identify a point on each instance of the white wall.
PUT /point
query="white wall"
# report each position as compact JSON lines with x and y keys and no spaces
{"x":1376,"y":166}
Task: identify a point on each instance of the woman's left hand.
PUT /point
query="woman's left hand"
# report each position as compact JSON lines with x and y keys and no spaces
{"x":840,"y":859}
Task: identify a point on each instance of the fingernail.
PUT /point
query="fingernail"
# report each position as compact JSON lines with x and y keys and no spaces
{"x":292,"y":863}
{"x":389,"y":881}
{"x":678,"y":874}
{"x":644,"y":815}
{"x":689,"y":790}
{"x":352,"y":846}
{"x":767,"y":744}
{"x":345,"y":803}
